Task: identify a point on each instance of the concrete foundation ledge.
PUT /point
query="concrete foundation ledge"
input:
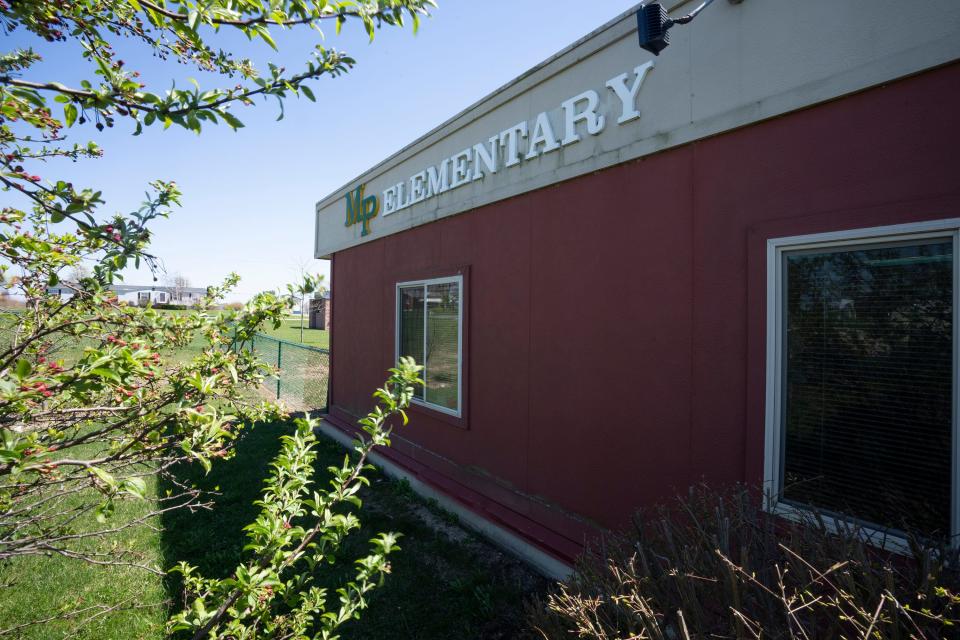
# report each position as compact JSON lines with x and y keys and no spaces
{"x":510,"y":542}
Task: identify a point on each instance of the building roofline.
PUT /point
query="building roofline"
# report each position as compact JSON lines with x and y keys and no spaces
{"x":492,"y":100}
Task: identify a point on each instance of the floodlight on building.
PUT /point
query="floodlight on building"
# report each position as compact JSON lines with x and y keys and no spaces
{"x":653,"y":24}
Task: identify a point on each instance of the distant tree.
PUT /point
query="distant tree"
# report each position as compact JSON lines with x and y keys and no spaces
{"x":7,"y":301}
{"x":178,"y":283}
{"x":79,"y":272}
{"x":302,"y":292}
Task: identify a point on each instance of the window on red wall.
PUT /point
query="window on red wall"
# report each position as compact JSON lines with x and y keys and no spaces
{"x":862,"y":422}
{"x":429,"y":325}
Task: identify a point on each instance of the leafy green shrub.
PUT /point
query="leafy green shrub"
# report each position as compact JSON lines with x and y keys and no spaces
{"x":273,"y":594}
{"x":718,"y":566}
{"x":171,"y":307}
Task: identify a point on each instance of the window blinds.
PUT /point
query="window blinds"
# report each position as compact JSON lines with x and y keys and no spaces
{"x":868,"y":383}
{"x":411,"y":335}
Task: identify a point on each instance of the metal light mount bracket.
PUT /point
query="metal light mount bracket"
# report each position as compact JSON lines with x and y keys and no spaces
{"x":653,"y":24}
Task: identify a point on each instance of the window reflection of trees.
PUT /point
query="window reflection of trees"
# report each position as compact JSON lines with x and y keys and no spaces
{"x":868,"y":383}
{"x":411,"y":327}
{"x":442,"y":352}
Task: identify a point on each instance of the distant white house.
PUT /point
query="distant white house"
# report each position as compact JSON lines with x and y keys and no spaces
{"x":141,"y":295}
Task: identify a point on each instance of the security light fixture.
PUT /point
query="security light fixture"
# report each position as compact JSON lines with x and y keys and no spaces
{"x":653,"y":25}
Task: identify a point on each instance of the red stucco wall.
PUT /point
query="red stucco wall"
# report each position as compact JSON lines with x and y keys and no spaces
{"x":616,"y":340}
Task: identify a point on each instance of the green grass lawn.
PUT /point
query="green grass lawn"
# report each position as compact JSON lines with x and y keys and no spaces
{"x":446,"y":583}
{"x":290,"y":331}
{"x":37,"y":587}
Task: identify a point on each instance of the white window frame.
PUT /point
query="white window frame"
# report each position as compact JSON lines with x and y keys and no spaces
{"x":773,"y":446}
{"x":458,"y":413}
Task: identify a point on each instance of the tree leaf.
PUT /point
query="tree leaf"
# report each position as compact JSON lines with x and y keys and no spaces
{"x":23,"y":368}
{"x":231,"y":120}
{"x":106,"y":373}
{"x":70,"y":113}
{"x":135,"y":487}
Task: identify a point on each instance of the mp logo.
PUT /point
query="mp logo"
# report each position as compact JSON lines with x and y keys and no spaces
{"x":361,"y":210}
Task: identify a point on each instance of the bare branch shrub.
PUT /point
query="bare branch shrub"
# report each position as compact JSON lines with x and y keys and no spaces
{"x":716,"y":565}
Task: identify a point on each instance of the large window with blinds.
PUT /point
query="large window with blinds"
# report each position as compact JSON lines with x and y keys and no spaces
{"x":861,"y":420}
{"x":430,"y":330}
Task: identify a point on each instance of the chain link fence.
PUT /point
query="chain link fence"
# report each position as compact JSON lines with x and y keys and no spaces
{"x":304,"y":372}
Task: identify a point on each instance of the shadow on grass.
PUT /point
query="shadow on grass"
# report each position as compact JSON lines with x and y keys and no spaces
{"x":445,"y":583}
{"x":212,"y":540}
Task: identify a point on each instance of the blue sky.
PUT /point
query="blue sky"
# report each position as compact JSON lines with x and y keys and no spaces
{"x":249,"y":195}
